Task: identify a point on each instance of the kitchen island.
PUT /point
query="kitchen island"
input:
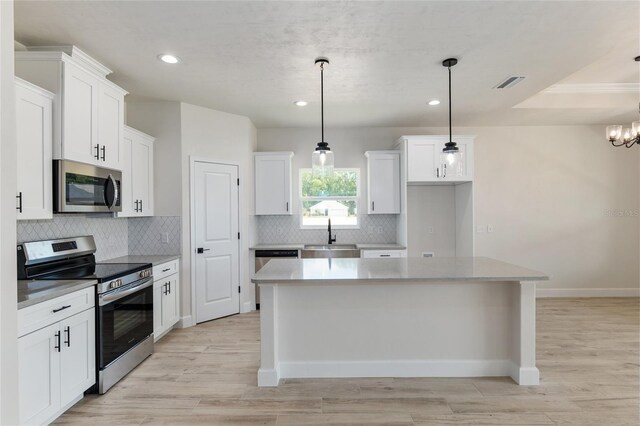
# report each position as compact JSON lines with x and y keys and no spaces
{"x":402,"y":317}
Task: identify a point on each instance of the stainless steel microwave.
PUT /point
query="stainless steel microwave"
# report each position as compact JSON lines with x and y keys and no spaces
{"x":84,"y":188}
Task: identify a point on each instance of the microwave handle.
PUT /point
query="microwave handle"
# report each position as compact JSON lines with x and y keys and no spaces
{"x":111,"y":203}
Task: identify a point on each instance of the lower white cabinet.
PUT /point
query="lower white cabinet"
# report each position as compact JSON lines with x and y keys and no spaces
{"x":56,"y":365}
{"x":382,"y":254}
{"x":166,"y":300}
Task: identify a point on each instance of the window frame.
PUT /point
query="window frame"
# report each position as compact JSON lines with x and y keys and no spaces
{"x":356,"y":198}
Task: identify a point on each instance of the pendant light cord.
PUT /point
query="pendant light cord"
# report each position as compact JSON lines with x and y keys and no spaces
{"x":322,"y":99}
{"x":450,"y":124}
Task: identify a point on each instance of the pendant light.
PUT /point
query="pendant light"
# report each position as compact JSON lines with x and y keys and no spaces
{"x":451,"y":157}
{"x":322,"y":157}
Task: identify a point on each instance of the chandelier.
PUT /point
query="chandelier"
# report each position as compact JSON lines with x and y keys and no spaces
{"x":628,"y":136}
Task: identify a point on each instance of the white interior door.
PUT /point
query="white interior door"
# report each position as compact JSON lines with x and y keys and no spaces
{"x":217,"y":275}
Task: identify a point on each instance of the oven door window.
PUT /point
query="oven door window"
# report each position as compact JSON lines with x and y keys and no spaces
{"x":84,"y":190}
{"x":124,"y":323}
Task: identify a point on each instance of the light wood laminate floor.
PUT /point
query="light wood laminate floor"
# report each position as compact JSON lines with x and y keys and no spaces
{"x":588,"y":356}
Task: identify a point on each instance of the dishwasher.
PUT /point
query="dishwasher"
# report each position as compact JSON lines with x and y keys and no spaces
{"x":263,"y":256}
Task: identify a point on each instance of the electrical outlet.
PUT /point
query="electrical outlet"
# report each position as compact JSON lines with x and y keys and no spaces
{"x":280,"y":231}
{"x":164,"y":237}
{"x":489,"y":228}
{"x":480,"y":229}
{"x":379,"y":229}
{"x":430,"y":229}
{"x":427,"y":254}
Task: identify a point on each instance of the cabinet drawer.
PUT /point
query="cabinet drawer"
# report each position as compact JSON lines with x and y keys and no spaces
{"x":46,"y":313}
{"x":165,"y":269}
{"x":383,"y":253}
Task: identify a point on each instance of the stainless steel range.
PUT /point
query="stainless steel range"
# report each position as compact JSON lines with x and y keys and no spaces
{"x":124,"y":300}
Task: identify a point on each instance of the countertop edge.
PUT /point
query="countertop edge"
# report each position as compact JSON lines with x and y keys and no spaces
{"x":395,"y":280}
{"x":80,"y":285}
{"x":154,"y":259}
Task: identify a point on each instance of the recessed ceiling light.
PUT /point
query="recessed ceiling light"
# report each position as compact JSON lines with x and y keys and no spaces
{"x":301,"y":103}
{"x":434,"y":102}
{"x":169,"y":59}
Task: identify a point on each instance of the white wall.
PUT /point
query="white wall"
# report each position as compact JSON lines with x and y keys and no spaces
{"x":545,"y":189}
{"x":8,"y":289}
{"x":219,"y":137}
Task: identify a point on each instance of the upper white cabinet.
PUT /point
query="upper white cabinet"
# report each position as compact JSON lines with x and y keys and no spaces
{"x":136,"y":153}
{"x":424,"y":163}
{"x":383,"y":182}
{"x":34,"y":120}
{"x":273,"y":183}
{"x":88,"y":110}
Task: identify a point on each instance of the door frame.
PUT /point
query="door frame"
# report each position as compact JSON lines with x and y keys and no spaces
{"x":192,"y":232}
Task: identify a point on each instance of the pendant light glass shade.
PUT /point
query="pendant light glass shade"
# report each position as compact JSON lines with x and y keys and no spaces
{"x":322,"y":162}
{"x":322,"y":157}
{"x":452,"y":161}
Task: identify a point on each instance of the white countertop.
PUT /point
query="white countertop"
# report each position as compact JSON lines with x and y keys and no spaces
{"x":31,"y":292}
{"x":294,"y":246}
{"x":153,"y":259}
{"x":409,"y":269}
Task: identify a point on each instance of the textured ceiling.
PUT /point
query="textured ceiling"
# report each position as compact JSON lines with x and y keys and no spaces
{"x":256,"y":58}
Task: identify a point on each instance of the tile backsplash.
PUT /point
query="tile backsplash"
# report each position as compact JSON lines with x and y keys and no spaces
{"x":111,"y":234}
{"x":145,"y":235}
{"x":114,"y":237}
{"x":286,"y":229}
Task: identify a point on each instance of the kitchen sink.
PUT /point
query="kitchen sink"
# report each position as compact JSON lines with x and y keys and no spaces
{"x":330,"y":251}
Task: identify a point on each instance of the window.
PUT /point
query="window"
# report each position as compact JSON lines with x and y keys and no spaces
{"x":334,"y":197}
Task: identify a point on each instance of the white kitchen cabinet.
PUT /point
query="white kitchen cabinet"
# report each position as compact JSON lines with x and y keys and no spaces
{"x":166,"y":300}
{"x":34,"y":120}
{"x":137,"y":174}
{"x":383,"y":182}
{"x":88,"y":110}
{"x":424,"y":162}
{"x":56,"y":363}
{"x":273,"y":183}
{"x":382,"y":254}
{"x":110,"y":124}
{"x":77,"y":360}
{"x":39,"y":375}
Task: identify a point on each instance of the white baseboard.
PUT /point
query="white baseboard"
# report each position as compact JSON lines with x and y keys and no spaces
{"x":397,"y":368}
{"x":246,"y":307}
{"x":587,"y":292}
{"x":525,"y":376}
{"x":268,"y":377}
{"x":185,"y":322}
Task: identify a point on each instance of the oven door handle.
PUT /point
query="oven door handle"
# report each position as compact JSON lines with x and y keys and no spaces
{"x":105,"y":299}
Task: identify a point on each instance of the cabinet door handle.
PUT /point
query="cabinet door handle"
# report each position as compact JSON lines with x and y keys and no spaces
{"x":169,"y":284}
{"x":104,"y":152}
{"x":97,"y":152}
{"x":287,"y":206}
{"x":68,"y":333}
{"x":140,"y":206}
{"x":373,"y":206}
{"x":437,"y":172}
{"x":61,"y":309}
{"x":444,"y":170}
{"x":19,"y":197}
{"x":166,"y":288}
{"x":166,"y":270}
{"x":57,"y":345}
{"x":385,"y":255}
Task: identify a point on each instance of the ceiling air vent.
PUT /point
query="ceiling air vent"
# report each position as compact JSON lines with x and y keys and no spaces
{"x":509,"y":82}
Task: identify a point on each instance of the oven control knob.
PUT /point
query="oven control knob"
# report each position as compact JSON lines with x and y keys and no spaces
{"x":145,"y":274}
{"x":115,"y":284}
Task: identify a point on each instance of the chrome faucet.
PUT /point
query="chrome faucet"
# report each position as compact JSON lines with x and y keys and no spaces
{"x":331,"y":239}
